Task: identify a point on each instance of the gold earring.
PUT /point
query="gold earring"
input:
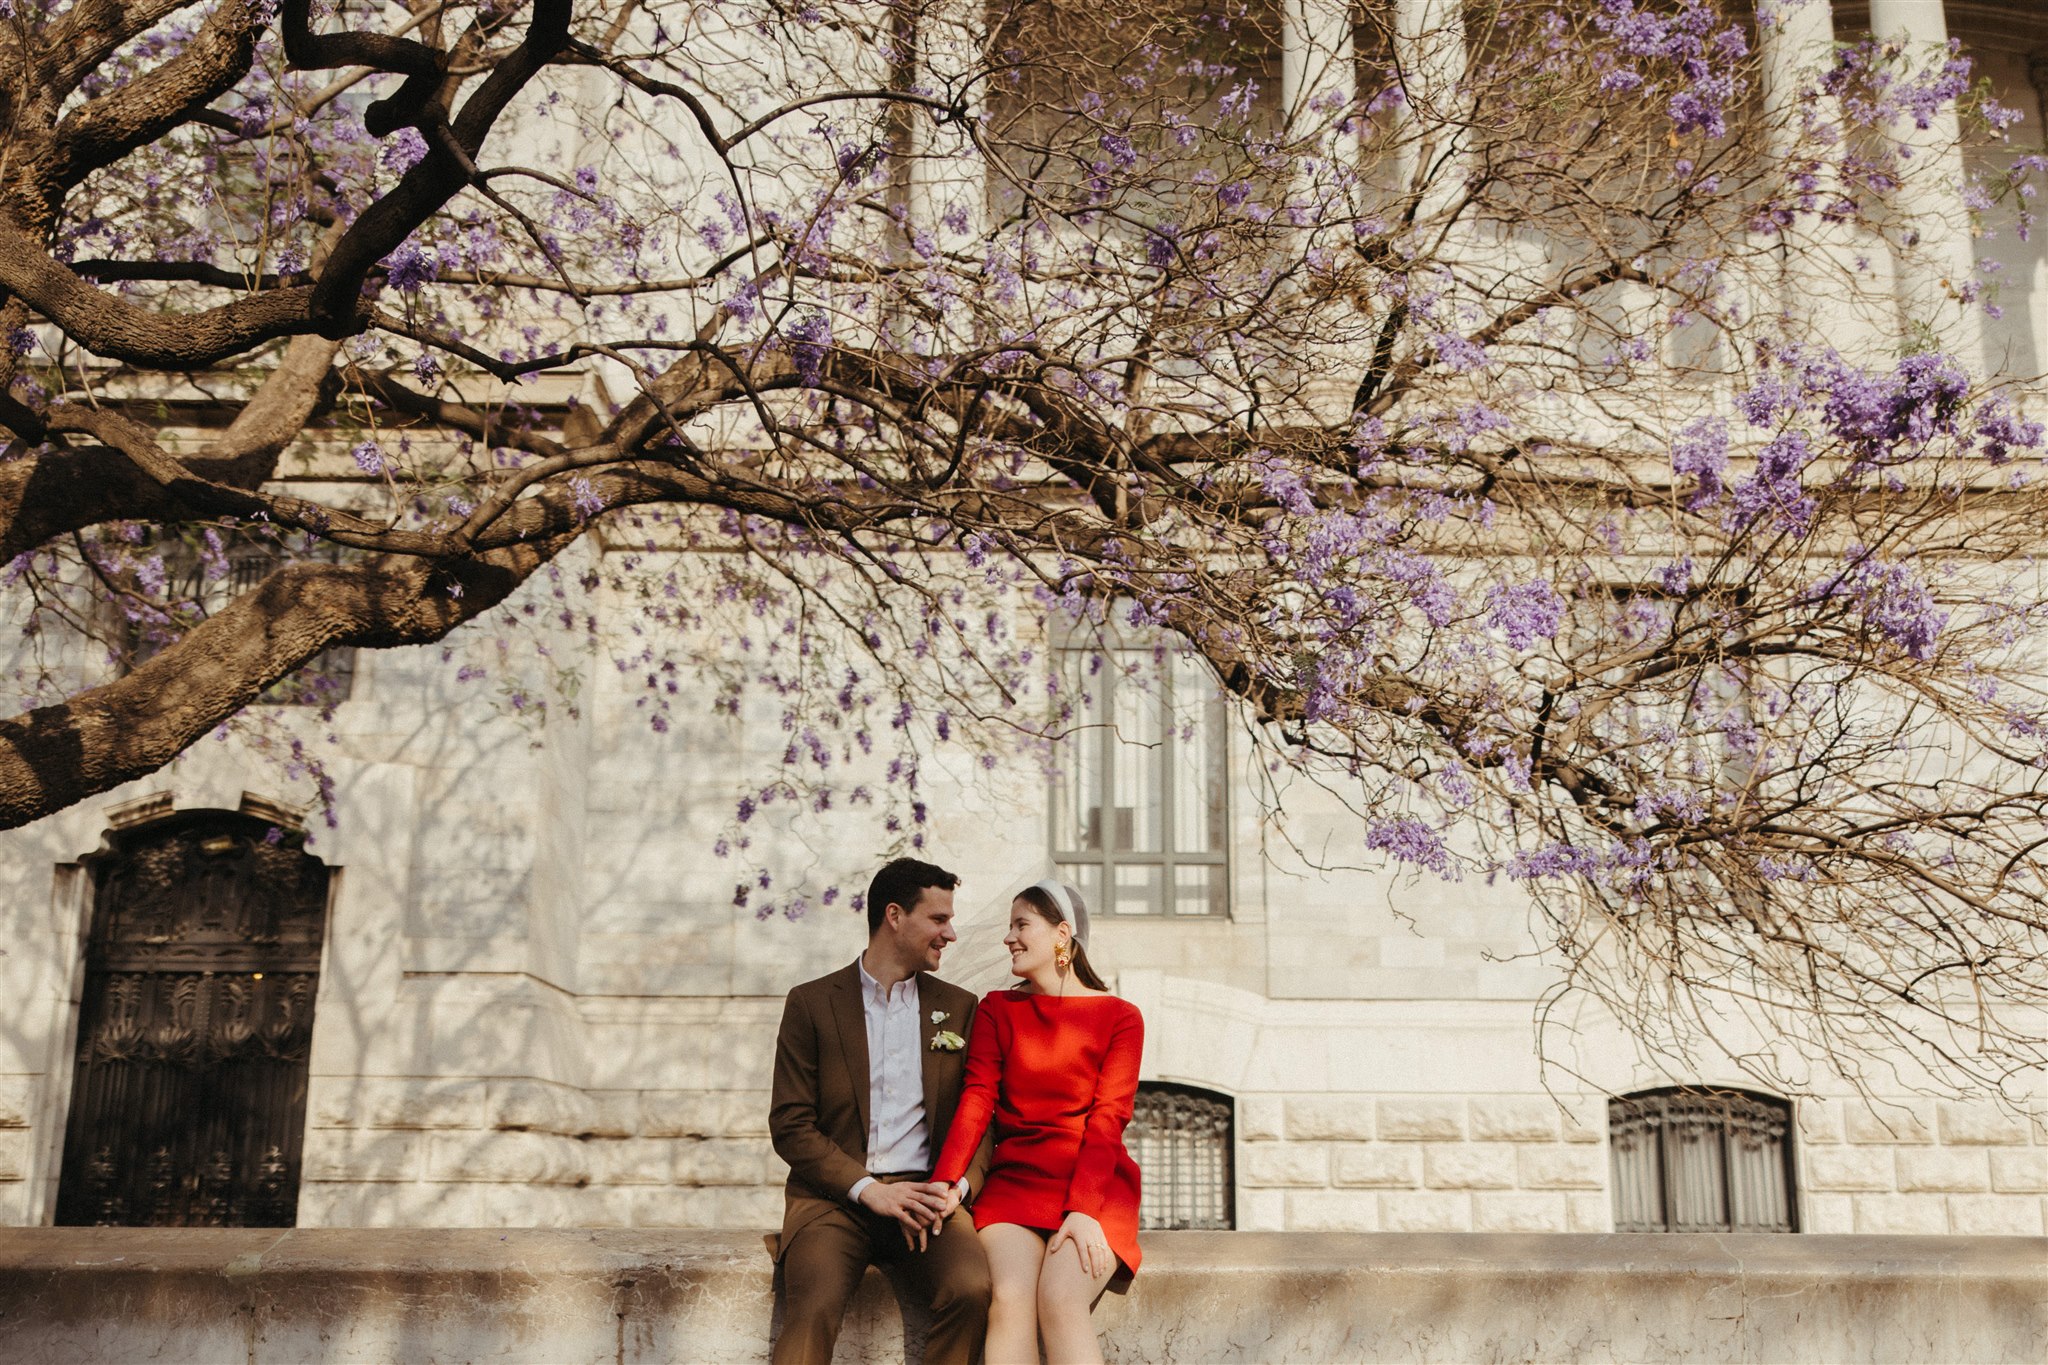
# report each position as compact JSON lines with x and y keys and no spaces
{"x":1060,"y":958}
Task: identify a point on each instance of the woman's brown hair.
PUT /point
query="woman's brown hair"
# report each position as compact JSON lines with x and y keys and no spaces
{"x":1041,"y":900}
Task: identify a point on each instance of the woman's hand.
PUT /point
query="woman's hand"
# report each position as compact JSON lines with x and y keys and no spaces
{"x":1088,"y":1238}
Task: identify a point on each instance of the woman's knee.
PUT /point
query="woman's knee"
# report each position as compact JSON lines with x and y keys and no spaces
{"x":1063,"y":1295}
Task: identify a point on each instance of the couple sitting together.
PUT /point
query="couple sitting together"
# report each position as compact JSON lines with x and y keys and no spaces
{"x":889,"y":1084}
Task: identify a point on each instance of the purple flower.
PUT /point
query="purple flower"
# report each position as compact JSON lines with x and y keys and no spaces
{"x":1701,"y":451}
{"x":2002,"y":429}
{"x":1776,"y":488}
{"x":1408,"y":840}
{"x":405,"y":150}
{"x":1458,"y":354}
{"x":369,"y":457}
{"x":408,"y":267}
{"x":1525,"y":612}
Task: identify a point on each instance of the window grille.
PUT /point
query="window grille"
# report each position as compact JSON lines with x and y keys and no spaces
{"x":1690,"y":1160}
{"x":206,"y":583}
{"x":1140,"y":809}
{"x":1181,"y":1139}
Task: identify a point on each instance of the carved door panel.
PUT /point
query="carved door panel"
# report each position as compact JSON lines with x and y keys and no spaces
{"x":189,"y":1100}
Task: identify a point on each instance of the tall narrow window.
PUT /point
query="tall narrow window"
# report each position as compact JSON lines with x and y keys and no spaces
{"x":1689,"y":1160}
{"x":1181,"y":1139}
{"x":1139,"y":809}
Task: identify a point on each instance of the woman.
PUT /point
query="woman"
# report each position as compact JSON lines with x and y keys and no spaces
{"x":1054,"y":1063}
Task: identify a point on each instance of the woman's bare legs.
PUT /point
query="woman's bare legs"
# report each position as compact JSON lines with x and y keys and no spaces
{"x":1014,"y":1256}
{"x":1066,"y":1294}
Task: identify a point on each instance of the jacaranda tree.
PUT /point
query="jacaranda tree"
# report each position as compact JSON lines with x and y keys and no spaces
{"x":1511,"y":405}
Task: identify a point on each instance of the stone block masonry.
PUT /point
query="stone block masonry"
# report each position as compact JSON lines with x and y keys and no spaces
{"x":329,"y":1296}
{"x":1537,"y":1163}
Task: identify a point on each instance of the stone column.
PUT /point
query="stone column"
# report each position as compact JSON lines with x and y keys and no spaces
{"x":946,"y":176}
{"x":1429,"y":59}
{"x":1318,"y":73}
{"x":1932,"y":240}
{"x":1817,"y":283}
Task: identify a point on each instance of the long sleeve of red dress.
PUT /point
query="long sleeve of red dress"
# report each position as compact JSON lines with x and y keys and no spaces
{"x":977,"y":1104}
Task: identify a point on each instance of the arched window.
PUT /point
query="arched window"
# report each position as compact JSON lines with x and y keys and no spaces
{"x":1181,"y":1139}
{"x":1696,"y":1160}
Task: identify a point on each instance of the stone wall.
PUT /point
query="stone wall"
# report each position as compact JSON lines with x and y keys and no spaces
{"x":93,"y":1294}
{"x":1423,"y":1163}
{"x":521,"y":1152}
{"x":1922,"y":1166}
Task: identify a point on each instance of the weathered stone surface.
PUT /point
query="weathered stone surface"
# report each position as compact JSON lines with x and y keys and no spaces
{"x":1585,"y":1117}
{"x":349,"y":1154}
{"x":1332,"y":1211}
{"x":1514,"y":1118}
{"x":1563,"y":1168}
{"x":1994,"y":1215}
{"x":614,"y":1113}
{"x":1981,"y":1123}
{"x":1829,"y":1213}
{"x":704,"y":1113}
{"x":1960,"y":1170}
{"x":14,"y":1155}
{"x":682,"y":1113}
{"x":1287,"y":1163}
{"x":1820,"y":1121}
{"x":75,"y":1295}
{"x":1901,"y":1213}
{"x":631,"y":1161}
{"x":1344,"y":1117}
{"x":534,"y":1158}
{"x":2020,"y":1172}
{"x":540,"y":1106}
{"x":708,"y":1206}
{"x":395,"y":1102}
{"x":1259,"y":1117}
{"x":1589,"y":1213}
{"x":1887,"y":1122}
{"x":1421,"y":1120}
{"x":17,"y":1100}
{"x":726,"y":1161}
{"x":1425,"y":1211}
{"x":1849,"y":1168}
{"x":1518,"y":1212}
{"x":1469,"y":1166}
{"x":1369,"y":1163}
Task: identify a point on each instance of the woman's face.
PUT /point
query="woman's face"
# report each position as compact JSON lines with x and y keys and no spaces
{"x":1031,"y":939}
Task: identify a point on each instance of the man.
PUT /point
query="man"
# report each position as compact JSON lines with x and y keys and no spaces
{"x":868,"y":1066}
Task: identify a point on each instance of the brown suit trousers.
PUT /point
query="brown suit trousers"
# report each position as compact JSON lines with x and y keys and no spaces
{"x":818,"y":1118}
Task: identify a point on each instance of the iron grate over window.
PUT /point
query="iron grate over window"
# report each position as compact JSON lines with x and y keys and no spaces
{"x":1688,"y":1160}
{"x":1181,"y":1139}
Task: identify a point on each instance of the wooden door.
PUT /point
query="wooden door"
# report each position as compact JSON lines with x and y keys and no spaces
{"x":188,"y":1102}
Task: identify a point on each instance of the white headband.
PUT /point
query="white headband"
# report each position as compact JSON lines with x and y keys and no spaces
{"x":1077,"y":918}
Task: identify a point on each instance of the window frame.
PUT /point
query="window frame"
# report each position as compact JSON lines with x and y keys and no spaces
{"x":1095,"y":724}
{"x":1159,"y":1191}
{"x":1635,"y":1109}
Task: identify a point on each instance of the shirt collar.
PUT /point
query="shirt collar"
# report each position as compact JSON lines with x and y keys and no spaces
{"x":873,"y":989}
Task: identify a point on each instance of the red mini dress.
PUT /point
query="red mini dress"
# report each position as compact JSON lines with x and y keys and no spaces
{"x":1058,"y":1076}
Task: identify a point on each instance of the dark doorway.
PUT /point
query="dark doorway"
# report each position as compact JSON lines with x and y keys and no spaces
{"x":188,"y":1104}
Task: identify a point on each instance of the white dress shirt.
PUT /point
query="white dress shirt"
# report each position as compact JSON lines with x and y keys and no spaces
{"x":899,"y":1136}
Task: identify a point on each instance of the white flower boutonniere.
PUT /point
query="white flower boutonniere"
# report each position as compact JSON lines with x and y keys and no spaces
{"x":945,"y":1040}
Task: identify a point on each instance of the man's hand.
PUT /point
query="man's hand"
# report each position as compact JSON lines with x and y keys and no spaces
{"x":915,"y":1206}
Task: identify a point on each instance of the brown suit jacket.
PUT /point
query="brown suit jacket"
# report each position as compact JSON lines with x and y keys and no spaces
{"x":818,"y":1110}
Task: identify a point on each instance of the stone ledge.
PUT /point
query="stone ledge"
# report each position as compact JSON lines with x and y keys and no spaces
{"x":430,"y":1295}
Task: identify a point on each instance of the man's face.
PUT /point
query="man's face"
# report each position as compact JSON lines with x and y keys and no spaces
{"x":923,"y":933}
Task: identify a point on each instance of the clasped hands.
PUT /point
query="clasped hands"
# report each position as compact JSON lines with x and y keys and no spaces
{"x":920,"y":1208}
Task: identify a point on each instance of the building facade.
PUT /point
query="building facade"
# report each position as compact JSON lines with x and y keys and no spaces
{"x":510,"y":986}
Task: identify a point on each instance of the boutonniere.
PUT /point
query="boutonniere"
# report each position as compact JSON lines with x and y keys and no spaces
{"x":945,"y":1040}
